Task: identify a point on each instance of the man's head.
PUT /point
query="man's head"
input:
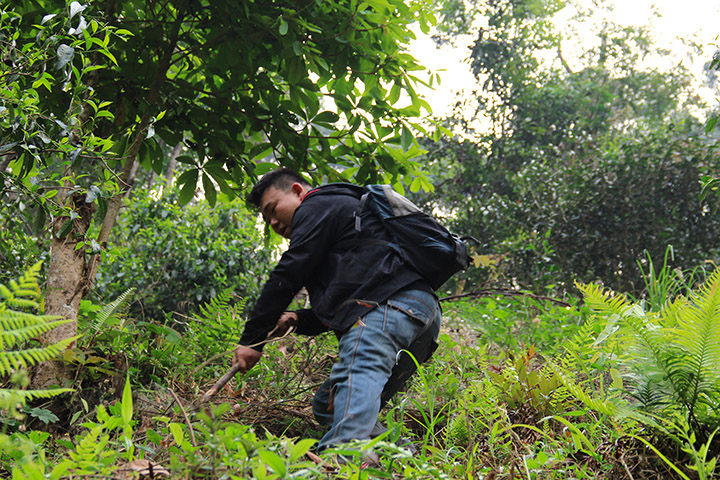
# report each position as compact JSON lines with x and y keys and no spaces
{"x":277,"y":194}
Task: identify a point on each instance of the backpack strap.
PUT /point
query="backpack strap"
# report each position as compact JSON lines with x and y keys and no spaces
{"x":358,"y":211}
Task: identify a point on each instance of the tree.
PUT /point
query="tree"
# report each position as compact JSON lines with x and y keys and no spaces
{"x":89,"y":92}
{"x":547,"y":183}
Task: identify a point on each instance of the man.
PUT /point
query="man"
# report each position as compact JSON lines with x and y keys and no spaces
{"x":359,"y":287}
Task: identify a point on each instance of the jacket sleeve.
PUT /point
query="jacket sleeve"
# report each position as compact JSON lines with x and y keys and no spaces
{"x":314,"y":231}
{"x":309,"y":324}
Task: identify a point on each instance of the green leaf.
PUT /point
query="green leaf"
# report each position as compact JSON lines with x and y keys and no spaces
{"x":260,"y":150}
{"x":297,"y":48}
{"x":7,"y":146}
{"x":283,"y":28}
{"x":273,"y":460}
{"x":301,"y":448}
{"x":406,"y":138}
{"x":108,"y":55}
{"x":712,"y":121}
{"x":65,"y":228}
{"x":263,"y":168}
{"x":177,"y":432}
{"x":59,"y":470}
{"x":101,"y":210}
{"x":39,"y":222}
{"x":617,"y":381}
{"x":326,"y":117}
{"x":44,"y":415}
{"x":127,"y":402}
{"x":188,"y":180}
{"x":209,"y":188}
{"x":105,"y":114}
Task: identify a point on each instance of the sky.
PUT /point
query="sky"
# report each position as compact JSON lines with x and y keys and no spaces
{"x":667,"y":19}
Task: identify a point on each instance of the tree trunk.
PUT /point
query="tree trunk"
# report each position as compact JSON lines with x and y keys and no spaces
{"x":66,"y":284}
{"x":69,"y":275}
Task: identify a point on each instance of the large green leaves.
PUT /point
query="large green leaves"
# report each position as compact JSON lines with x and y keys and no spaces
{"x":311,"y":85}
{"x":304,"y":79}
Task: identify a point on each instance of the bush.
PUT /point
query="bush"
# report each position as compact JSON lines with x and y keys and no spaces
{"x":588,"y":214}
{"x":640,"y":198}
{"x":176,"y":257}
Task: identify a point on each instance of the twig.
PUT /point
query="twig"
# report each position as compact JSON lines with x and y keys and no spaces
{"x":504,"y":292}
{"x":627,"y":470}
{"x":187,"y":420}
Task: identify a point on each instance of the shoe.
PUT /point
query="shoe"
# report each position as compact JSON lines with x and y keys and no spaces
{"x":370,"y":459}
{"x":379,"y":429}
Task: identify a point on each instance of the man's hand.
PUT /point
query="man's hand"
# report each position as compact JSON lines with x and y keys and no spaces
{"x":284,"y":323}
{"x":245,"y":357}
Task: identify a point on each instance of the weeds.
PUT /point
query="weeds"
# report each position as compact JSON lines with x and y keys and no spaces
{"x":506,"y":396}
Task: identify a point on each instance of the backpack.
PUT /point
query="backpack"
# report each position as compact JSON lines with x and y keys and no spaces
{"x":426,"y":246}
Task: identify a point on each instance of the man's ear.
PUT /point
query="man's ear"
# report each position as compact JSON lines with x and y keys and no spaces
{"x":297,"y":189}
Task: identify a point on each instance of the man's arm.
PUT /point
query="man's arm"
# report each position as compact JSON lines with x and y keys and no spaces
{"x":308,"y":323}
{"x":314,"y":232}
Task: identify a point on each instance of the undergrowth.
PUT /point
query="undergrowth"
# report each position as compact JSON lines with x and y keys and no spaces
{"x":519,"y":388}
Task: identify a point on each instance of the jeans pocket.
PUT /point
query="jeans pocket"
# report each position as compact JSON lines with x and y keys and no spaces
{"x":406,"y":315}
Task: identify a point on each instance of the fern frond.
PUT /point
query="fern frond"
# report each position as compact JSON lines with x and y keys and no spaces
{"x":607,"y":406}
{"x":16,"y":318}
{"x":217,"y":305}
{"x":22,"y":396}
{"x":583,"y":338}
{"x":698,"y":335}
{"x":25,"y":292}
{"x":19,"y":326}
{"x":111,"y":309}
{"x":14,"y":329}
{"x":23,"y":358}
{"x":604,"y":302}
{"x":651,"y":394}
{"x":669,"y":316}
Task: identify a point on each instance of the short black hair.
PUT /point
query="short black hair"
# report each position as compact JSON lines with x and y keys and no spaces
{"x":282,"y":179}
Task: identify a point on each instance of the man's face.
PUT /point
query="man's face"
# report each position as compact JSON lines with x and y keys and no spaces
{"x":278,"y":207}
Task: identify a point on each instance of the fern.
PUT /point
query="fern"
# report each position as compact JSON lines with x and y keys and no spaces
{"x":113,"y":309}
{"x":18,"y":325}
{"x":218,"y":317}
{"x":698,"y":334}
{"x":607,"y":406}
{"x":674,"y":354}
{"x":218,"y":306}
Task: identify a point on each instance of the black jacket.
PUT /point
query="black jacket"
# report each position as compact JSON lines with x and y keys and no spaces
{"x":345,"y":275}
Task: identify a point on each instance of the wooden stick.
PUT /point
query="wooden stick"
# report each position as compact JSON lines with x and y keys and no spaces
{"x":221,"y":383}
{"x":235,"y":369}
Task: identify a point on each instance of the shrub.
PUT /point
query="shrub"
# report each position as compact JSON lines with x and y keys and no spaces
{"x":176,"y":257}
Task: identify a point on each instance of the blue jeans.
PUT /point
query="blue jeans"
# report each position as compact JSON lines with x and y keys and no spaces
{"x":350,"y":400}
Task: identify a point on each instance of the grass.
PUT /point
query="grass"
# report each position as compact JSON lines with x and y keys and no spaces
{"x":490,"y":404}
